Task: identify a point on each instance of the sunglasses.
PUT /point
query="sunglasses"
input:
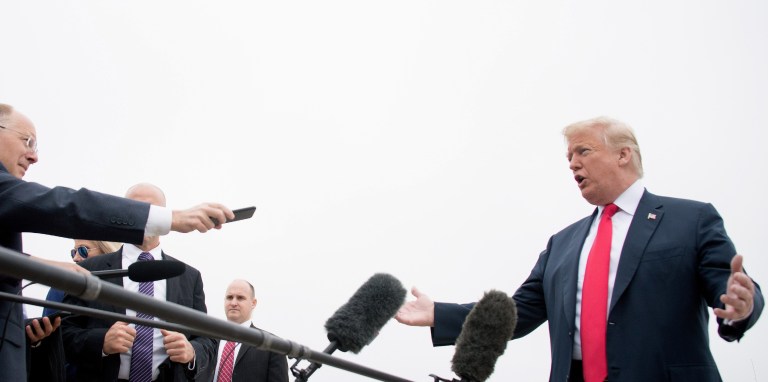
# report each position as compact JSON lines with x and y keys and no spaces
{"x":80,"y":250}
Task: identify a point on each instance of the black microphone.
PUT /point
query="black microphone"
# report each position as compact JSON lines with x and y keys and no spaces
{"x":356,"y":323}
{"x":145,"y":271}
{"x":488,"y":327}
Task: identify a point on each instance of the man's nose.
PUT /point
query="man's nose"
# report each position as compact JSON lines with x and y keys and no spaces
{"x":574,"y":163}
{"x":32,"y":157}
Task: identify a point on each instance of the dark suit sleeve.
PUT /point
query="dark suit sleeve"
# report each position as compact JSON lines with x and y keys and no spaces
{"x":529,"y":299}
{"x":60,"y":211}
{"x":278,"y":368}
{"x":83,"y":336}
{"x":716,"y":252}
{"x":449,"y":318}
{"x":47,"y":360}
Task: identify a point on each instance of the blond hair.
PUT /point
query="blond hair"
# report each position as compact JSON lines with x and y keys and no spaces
{"x":616,"y":135}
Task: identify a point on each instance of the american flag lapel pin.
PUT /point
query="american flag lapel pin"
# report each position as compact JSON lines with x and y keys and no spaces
{"x":651,"y":216}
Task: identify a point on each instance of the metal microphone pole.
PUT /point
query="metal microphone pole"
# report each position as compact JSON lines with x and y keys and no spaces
{"x":102,"y":314}
{"x":302,"y":375}
{"x":88,"y":287}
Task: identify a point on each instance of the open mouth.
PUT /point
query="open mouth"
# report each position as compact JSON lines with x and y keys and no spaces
{"x":579,"y":179}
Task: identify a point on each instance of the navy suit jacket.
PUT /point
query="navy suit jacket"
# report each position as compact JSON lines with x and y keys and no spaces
{"x":84,"y":336}
{"x":674,"y":265}
{"x":83,"y":214}
{"x":254,"y":365}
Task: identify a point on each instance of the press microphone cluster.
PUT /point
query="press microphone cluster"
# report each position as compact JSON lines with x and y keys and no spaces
{"x":186,"y":320}
{"x":483,"y":339}
{"x":356,"y":323}
{"x":145,"y":271}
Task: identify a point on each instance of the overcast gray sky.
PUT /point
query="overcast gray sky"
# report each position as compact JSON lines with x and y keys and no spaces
{"x":417,"y":138}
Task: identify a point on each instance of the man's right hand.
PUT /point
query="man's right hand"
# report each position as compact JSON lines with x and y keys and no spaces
{"x":202,"y":218}
{"x":420,"y":312}
{"x":119,"y":338}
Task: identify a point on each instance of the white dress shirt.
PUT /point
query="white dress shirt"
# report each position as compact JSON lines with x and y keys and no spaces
{"x":131,"y":255}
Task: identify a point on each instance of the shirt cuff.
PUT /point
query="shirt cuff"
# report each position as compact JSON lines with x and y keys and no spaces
{"x":191,"y":365}
{"x":159,"y":221}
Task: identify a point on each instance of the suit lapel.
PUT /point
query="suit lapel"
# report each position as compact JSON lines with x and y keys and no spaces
{"x":243,"y":349}
{"x":571,"y":262}
{"x":172,"y":286}
{"x":114,"y":261}
{"x":647,"y":218}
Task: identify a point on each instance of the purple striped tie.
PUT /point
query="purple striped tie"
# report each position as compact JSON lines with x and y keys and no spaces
{"x":141,"y":353}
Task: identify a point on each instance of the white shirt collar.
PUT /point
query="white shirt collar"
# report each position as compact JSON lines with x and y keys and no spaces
{"x":131,"y":253}
{"x":629,"y":199}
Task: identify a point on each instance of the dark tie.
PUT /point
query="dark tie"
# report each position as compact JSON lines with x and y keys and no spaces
{"x":141,"y":353}
{"x":226,"y":365}
{"x":594,"y":301}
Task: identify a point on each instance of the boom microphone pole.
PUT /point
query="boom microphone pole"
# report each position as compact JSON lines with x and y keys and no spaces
{"x":88,"y":287}
{"x":359,"y":321}
{"x":67,"y":309}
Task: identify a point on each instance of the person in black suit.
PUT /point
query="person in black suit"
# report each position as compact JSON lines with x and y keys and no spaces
{"x":60,"y":211}
{"x":102,"y":350}
{"x":669,"y":260}
{"x":247,"y":363}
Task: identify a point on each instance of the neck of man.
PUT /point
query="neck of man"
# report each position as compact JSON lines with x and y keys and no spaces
{"x":150,"y":243}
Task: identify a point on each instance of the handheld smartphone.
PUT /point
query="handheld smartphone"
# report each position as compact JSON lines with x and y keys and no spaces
{"x":242,"y":213}
{"x":51,"y":317}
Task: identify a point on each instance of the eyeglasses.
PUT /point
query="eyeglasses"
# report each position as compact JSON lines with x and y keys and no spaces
{"x":80,"y":250}
{"x":30,"y":141}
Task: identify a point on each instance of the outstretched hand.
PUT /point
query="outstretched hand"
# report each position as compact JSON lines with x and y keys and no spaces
{"x":420,"y":312}
{"x":739,"y":293}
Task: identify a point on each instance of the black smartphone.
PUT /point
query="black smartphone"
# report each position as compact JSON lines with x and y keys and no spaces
{"x":242,"y":213}
{"x":51,"y":317}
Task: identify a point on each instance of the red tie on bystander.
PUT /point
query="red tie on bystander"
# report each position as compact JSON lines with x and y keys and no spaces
{"x":226,"y":365}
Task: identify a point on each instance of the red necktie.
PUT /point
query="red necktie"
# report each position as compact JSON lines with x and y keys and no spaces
{"x":594,"y":301}
{"x":226,"y":365}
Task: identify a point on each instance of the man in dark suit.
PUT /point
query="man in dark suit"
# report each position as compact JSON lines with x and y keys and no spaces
{"x":238,"y":362}
{"x":31,"y":207}
{"x":104,"y":351}
{"x":668,"y":260}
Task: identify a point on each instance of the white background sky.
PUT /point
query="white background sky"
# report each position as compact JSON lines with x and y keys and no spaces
{"x":417,"y":138}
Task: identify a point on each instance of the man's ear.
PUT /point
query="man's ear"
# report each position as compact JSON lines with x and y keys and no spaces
{"x":625,"y":156}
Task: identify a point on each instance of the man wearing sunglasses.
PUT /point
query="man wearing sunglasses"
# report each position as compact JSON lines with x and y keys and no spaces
{"x":31,"y":207}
